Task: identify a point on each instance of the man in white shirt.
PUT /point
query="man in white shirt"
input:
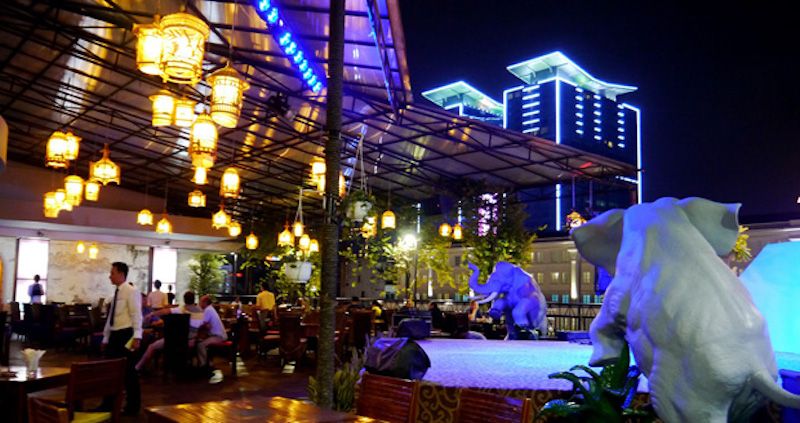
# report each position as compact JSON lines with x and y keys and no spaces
{"x":123,"y":332}
{"x":157,"y":299}
{"x":195,"y":321}
{"x":216,"y":334}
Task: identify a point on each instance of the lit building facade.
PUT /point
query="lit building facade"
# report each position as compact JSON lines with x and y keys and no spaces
{"x":559,"y":101}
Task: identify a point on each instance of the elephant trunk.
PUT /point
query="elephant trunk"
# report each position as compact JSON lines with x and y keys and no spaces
{"x":484,"y":289}
{"x":491,"y":297}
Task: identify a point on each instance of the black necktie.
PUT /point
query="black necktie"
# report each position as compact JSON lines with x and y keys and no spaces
{"x":114,"y":307}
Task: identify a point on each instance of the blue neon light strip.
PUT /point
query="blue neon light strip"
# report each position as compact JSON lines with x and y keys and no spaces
{"x":526,"y":114}
{"x":531,"y":122}
{"x":558,"y":124}
{"x":270,"y":13}
{"x":530,"y":88}
{"x":558,"y":206}
{"x":530,"y":96}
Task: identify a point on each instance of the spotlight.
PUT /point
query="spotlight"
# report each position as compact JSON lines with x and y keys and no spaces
{"x":278,"y":105}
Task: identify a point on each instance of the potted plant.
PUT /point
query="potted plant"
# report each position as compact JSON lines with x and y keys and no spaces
{"x":206,"y":274}
{"x":357,"y":205}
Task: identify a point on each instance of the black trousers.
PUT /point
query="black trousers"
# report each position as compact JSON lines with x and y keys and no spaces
{"x":116,"y":349}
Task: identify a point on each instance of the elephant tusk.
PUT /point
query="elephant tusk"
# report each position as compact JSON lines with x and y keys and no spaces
{"x":491,"y":297}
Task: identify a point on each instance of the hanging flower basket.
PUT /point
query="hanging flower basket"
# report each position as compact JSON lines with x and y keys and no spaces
{"x":298,"y":271}
{"x":358,"y":205}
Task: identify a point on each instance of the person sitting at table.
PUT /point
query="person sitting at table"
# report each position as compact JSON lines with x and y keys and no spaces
{"x":265,"y":300}
{"x":212,"y":331}
{"x":474,"y":311}
{"x":195,"y":321}
{"x":437,"y":317}
{"x":157,"y":299}
{"x":355,"y":304}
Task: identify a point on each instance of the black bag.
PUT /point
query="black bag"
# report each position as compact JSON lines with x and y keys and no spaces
{"x":414,"y":329}
{"x":397,"y":357}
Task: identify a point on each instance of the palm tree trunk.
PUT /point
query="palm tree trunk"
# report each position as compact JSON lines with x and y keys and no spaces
{"x":330,"y":233}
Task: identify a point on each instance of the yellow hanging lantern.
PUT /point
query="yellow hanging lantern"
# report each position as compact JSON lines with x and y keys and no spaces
{"x":145,"y":217}
{"x":342,"y":185}
{"x":93,"y":251}
{"x":313,"y":247}
{"x":184,"y":113}
{"x":73,"y":146}
{"x":388,"y":220}
{"x":200,"y":176}
{"x":366,"y":229}
{"x":318,"y":168}
{"x":229,"y":185}
{"x":197,"y":199}
{"x":149,"y":47}
{"x":51,"y":206}
{"x":104,"y":170}
{"x":445,"y":229}
{"x":457,"y":235}
{"x":80,"y":247}
{"x":203,"y":142}
{"x":227,"y":87}
{"x":73,"y":185}
{"x":298,"y":229}
{"x":56,"y":155}
{"x":251,"y":242}
{"x":61,"y":200}
{"x":91,"y":191}
{"x":304,"y":243}
{"x":234,"y":229}
{"x":164,"y":226}
{"x":220,"y":219}
{"x":163,"y":108}
{"x":285,"y":238}
{"x":185,"y":38}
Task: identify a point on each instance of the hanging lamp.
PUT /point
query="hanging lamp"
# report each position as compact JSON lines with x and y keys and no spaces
{"x":314,"y":246}
{"x":304,"y":243}
{"x":80,"y":247}
{"x":197,"y":199}
{"x":91,"y":190}
{"x":251,"y":242}
{"x":73,"y":146}
{"x":93,"y":251}
{"x":56,"y":153}
{"x":203,"y":142}
{"x":51,"y":206}
{"x":73,"y":185}
{"x":200,"y":176}
{"x":227,"y":89}
{"x":229,"y":185}
{"x":234,"y":229}
{"x":445,"y":229}
{"x":145,"y":217}
{"x":388,"y":220}
{"x":164,"y":226}
{"x":457,"y":232}
{"x":297,"y":227}
{"x":184,"y":113}
{"x":318,"y":173}
{"x":184,"y":40}
{"x":104,"y":170}
{"x":220,"y":219}
{"x":163,"y":108}
{"x":149,"y":46}
{"x":286,"y":238}
{"x":61,"y":199}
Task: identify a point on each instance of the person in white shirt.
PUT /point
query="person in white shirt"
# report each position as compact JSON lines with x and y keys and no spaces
{"x":216,"y":334}
{"x":195,"y":321}
{"x":123,"y":333}
{"x":157,"y":299}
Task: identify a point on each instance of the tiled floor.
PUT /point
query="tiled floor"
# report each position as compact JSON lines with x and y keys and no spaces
{"x":263,"y":377}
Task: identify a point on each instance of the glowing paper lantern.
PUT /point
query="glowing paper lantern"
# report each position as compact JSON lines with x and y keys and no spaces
{"x":304,"y":243}
{"x":164,"y":226}
{"x":220,"y":219}
{"x":80,"y":247}
{"x":163,"y":108}
{"x":298,"y":229}
{"x":234,"y":229}
{"x":184,"y":40}
{"x":149,"y":47}
{"x":56,"y":154}
{"x":445,"y":229}
{"x":457,"y":235}
{"x":197,"y":199}
{"x":388,"y":220}
{"x":91,"y":191}
{"x":200,"y":176}
{"x":251,"y":242}
{"x":227,"y":87}
{"x":314,"y":246}
{"x":93,"y":251}
{"x":104,"y":170}
{"x":61,"y":199}
{"x":203,"y":142}
{"x":229,"y":185}
{"x":145,"y":217}
{"x":285,"y":238}
{"x":73,"y":146}
{"x":184,"y":113}
{"x":73,"y":185}
{"x":51,"y":206}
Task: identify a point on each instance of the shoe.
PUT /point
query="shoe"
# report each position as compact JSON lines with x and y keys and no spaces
{"x":216,"y":377}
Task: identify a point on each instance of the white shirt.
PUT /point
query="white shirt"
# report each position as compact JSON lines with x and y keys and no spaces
{"x":215,"y":326}
{"x":157,"y":299}
{"x":196,"y":314}
{"x":127,"y":312}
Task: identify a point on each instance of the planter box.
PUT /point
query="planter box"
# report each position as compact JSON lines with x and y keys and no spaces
{"x":298,"y":271}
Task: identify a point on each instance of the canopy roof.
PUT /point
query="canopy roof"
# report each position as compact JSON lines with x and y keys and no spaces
{"x":462,"y":93}
{"x":71,"y":64}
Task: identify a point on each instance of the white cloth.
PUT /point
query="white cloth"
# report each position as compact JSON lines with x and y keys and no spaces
{"x":215,"y":326}
{"x":196,"y":314}
{"x":157,"y":299}
{"x":127,"y":312}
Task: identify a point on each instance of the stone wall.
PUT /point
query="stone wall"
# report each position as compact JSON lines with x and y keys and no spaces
{"x":8,"y":255}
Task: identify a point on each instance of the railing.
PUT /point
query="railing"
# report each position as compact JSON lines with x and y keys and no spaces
{"x":571,"y":317}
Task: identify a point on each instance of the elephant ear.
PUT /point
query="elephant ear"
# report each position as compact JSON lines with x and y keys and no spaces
{"x":717,"y":222}
{"x":600,"y":239}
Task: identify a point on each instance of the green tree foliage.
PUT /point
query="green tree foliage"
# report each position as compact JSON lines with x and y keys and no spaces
{"x":206,"y":273}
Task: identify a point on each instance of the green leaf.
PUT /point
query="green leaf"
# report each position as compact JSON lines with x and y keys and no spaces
{"x":577,"y":383}
{"x":559,"y":408}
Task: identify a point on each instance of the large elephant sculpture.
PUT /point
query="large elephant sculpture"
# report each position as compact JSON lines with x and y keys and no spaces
{"x":688,"y":319}
{"x":516,"y":296}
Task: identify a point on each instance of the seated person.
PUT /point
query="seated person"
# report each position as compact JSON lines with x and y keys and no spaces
{"x":437,"y":317}
{"x":265,"y":301}
{"x":216,"y":333}
{"x":355,"y":304}
{"x":195,"y":321}
{"x":377,"y":314}
{"x":474,"y":311}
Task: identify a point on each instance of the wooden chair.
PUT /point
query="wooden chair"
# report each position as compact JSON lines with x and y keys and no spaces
{"x":267,"y":339}
{"x":480,"y":407}
{"x":87,"y":380}
{"x":176,"y":343}
{"x":292,"y":344}
{"x":387,"y":398}
{"x":41,"y":411}
{"x":360,"y":328}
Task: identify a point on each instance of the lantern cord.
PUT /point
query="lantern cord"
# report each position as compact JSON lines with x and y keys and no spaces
{"x":298,"y":216}
{"x":360,"y":160}
{"x":233,"y":34}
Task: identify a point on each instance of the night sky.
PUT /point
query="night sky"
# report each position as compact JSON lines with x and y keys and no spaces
{"x":718,"y":84}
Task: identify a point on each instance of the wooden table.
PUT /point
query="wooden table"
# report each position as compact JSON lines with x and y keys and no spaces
{"x":253,"y":409}
{"x":14,"y":390}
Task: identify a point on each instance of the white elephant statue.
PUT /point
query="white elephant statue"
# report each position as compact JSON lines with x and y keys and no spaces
{"x":688,"y":319}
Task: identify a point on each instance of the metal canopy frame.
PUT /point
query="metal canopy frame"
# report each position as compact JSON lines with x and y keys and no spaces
{"x":71,"y":64}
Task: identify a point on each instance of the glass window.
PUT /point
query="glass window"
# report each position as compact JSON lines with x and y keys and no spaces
{"x":554,"y":298}
{"x":540,"y":277}
{"x":565,"y":298}
{"x":32,"y":260}
{"x":586,"y":277}
{"x":555,"y":277}
{"x":165,"y":267}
